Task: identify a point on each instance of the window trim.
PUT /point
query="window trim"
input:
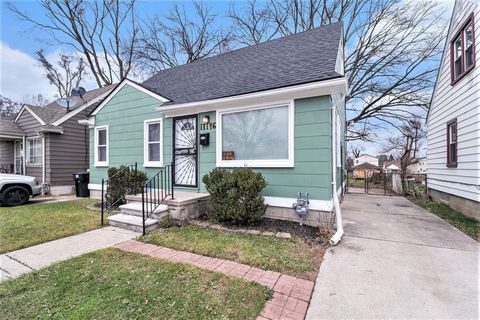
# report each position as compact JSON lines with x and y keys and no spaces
{"x":263,"y":163}
{"x":452,"y":164}
{"x":27,"y":151}
{"x":97,"y":162}
{"x":146,"y":162}
{"x":461,"y":33}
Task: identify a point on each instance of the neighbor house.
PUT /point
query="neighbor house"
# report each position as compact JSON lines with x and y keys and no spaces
{"x":277,"y":107}
{"x":365,"y":166}
{"x":48,"y":142}
{"x":453,"y":155}
{"x":391,"y":166}
{"x":419,"y":167}
{"x":365,"y":158}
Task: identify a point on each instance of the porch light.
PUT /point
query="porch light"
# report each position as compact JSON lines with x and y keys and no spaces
{"x":206,"y":119}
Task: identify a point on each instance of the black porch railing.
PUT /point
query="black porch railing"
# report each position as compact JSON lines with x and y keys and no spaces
{"x":113,"y":199}
{"x":156,"y":190}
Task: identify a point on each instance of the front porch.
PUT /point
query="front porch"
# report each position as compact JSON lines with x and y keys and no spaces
{"x":11,"y":155}
{"x":182,"y":207}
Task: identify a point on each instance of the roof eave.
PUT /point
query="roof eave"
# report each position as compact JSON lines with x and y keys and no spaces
{"x":338,"y":85}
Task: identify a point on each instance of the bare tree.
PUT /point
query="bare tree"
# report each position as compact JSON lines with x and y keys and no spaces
{"x":356,"y":151}
{"x":66,"y":75}
{"x":103,"y":32}
{"x":38,"y":100}
{"x":391,"y":50}
{"x":252,"y":23}
{"x":407,"y":144}
{"x":179,"y":38}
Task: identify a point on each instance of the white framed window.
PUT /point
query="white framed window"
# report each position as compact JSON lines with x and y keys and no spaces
{"x":256,"y":136}
{"x":101,"y":146}
{"x":34,"y":151}
{"x":153,"y":143}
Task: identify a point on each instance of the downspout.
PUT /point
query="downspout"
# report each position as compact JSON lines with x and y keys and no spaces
{"x":24,"y":153}
{"x":336,"y":203}
{"x":44,"y":162}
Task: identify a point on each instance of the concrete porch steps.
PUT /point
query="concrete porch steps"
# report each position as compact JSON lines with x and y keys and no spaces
{"x":132,"y":222}
{"x":135,"y":209}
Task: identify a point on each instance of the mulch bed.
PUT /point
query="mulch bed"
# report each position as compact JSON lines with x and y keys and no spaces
{"x":309,"y":234}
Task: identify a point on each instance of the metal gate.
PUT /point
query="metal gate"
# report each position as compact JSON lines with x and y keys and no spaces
{"x":385,"y":183}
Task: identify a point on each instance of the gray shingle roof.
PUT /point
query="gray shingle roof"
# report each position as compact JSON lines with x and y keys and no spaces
{"x":296,"y":59}
{"x":53,"y":111}
{"x":9,"y":127}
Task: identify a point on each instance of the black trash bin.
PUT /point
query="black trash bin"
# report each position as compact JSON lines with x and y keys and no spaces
{"x":81,"y":184}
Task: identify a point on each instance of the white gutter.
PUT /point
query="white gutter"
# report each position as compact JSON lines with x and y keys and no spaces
{"x":313,"y":89}
{"x":336,"y":203}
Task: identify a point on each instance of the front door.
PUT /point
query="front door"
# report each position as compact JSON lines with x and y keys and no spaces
{"x":18,"y":155}
{"x":185,"y":151}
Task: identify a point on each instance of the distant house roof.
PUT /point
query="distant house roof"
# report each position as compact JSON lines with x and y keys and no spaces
{"x":53,"y":111}
{"x":388,"y":163}
{"x":8,"y":127}
{"x":296,"y":59}
{"x":365,"y":165}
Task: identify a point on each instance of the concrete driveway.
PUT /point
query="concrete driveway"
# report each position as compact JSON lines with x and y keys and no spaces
{"x":397,"y":260}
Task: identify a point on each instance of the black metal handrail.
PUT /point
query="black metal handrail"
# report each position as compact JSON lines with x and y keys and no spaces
{"x":107,"y":202}
{"x":156,"y":190}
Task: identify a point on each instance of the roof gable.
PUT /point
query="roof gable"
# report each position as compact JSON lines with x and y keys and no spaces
{"x":120,"y":86}
{"x":28,"y":108}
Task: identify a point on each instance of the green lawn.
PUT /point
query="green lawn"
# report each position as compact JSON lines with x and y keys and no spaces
{"x":466,"y":224}
{"x":31,"y":224}
{"x":293,"y":256}
{"x":114,"y":284}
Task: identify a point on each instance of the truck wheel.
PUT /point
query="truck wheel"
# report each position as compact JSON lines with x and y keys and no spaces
{"x":15,"y":196}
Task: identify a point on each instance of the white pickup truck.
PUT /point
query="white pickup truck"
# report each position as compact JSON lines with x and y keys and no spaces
{"x":16,"y":189}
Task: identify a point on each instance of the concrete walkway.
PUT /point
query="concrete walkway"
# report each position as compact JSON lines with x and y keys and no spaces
{"x":397,"y":260}
{"x":15,"y":263}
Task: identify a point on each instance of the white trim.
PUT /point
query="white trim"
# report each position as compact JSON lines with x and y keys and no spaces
{"x":322,"y":205}
{"x":120,"y":86}
{"x":313,"y":89}
{"x":90,"y":122}
{"x":44,"y":161}
{"x":275,"y":163}
{"x":146,"y":163}
{"x":27,"y":151}
{"x":79,"y":109}
{"x":25,"y":107}
{"x":94,"y":186}
{"x":95,"y":145}
{"x":12,"y":137}
{"x":24,"y":141}
{"x":22,"y":151}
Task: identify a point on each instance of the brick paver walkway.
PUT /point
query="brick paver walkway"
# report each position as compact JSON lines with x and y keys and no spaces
{"x":291,"y":295}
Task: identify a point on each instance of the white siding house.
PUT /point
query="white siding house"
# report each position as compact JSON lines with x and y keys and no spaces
{"x":453,"y":156}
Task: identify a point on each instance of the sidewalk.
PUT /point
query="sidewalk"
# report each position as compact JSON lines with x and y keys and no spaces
{"x":397,"y":261}
{"x":15,"y":263}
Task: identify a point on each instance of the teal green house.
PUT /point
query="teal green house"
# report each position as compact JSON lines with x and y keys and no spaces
{"x":277,"y":107}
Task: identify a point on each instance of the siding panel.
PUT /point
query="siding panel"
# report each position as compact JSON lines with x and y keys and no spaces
{"x":460,"y":101}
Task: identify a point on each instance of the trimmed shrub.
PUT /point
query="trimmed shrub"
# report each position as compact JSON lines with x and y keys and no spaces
{"x":124,"y":182}
{"x":235,"y":196}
